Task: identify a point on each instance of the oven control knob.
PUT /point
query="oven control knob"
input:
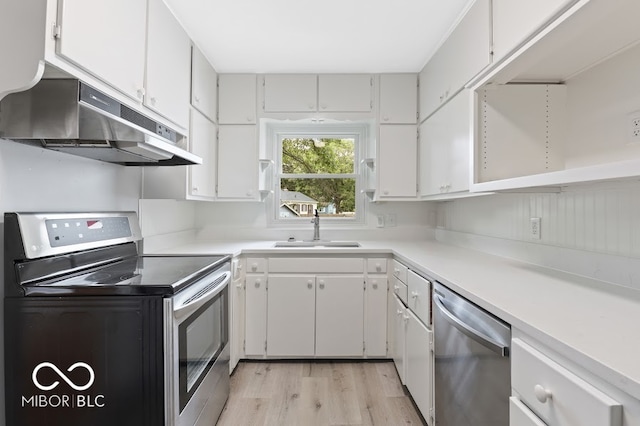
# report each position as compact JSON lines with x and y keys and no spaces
{"x":541,"y":393}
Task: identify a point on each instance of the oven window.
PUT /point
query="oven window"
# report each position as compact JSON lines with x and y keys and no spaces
{"x":202,"y":336}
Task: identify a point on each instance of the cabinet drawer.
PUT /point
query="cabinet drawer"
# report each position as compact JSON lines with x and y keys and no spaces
{"x":377,"y":266}
{"x":400,"y":271}
{"x":520,"y":415}
{"x":316,"y":265}
{"x":256,"y":265}
{"x":573,"y":400}
{"x":400,"y":289}
{"x":419,"y":297}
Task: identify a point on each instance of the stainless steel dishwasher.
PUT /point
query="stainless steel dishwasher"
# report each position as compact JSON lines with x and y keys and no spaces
{"x":472,"y":369}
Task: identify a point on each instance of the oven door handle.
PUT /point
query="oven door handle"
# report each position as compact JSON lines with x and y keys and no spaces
{"x":199,"y":297}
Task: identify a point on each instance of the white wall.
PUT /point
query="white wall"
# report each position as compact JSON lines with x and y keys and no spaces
{"x":591,"y":230}
{"x":34,"y":179}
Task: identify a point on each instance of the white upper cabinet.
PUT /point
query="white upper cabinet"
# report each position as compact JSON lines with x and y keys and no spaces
{"x":445,"y":147}
{"x":465,"y":53}
{"x":107,"y":39}
{"x":168,"y":65}
{"x":516,"y":21}
{"x":203,"y":143}
{"x":397,"y":162}
{"x":398,"y":98}
{"x":345,"y":93}
{"x":204,"y":85}
{"x":236,"y":98}
{"x":238,"y":162}
{"x":290,"y":92}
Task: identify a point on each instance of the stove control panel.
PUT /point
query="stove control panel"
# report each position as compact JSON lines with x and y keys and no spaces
{"x":66,"y":232}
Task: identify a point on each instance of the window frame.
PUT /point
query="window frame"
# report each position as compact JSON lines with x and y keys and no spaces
{"x":276,"y":132}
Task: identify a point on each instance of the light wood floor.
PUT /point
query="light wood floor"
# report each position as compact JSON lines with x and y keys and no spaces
{"x":299,"y":393}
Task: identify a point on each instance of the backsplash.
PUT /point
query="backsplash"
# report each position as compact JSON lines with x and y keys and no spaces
{"x":591,"y":230}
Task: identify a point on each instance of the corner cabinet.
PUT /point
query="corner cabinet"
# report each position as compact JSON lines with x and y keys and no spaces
{"x":238,"y":165}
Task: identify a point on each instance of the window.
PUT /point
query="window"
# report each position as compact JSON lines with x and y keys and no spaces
{"x":317,"y":168}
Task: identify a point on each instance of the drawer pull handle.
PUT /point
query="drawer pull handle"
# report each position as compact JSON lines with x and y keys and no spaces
{"x":541,"y":393}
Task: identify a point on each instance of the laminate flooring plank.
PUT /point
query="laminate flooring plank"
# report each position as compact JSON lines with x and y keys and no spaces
{"x":245,"y":412}
{"x":285,"y":402}
{"x":373,"y":404}
{"x":391,"y":386}
{"x":314,"y":402}
{"x":261,"y":382}
{"x":404,"y":412}
{"x":344,"y":406}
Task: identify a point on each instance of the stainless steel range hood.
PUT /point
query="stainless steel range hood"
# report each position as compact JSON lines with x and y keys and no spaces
{"x":69,"y":116}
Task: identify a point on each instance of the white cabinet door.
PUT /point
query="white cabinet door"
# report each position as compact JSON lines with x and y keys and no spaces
{"x":106,"y":38}
{"x":204,"y":85}
{"x":238,"y":162}
{"x":345,"y":93}
{"x":515,"y":21}
{"x":397,"y":162}
{"x":375,"y":314}
{"x":463,"y":55}
{"x":419,"y":364}
{"x":290,"y":92}
{"x":168,"y":73}
{"x":236,"y":313}
{"x":291,"y":315}
{"x":203,"y":143}
{"x":445,"y":147}
{"x":339,"y":315}
{"x":398,"y":98}
{"x":236,"y":98}
{"x":520,"y":415}
{"x":400,"y":331}
{"x":255,"y":333}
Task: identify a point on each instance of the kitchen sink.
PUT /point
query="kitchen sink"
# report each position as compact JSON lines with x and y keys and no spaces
{"x":309,"y":243}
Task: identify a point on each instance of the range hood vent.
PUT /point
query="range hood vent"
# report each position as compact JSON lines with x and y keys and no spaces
{"x":69,"y":116}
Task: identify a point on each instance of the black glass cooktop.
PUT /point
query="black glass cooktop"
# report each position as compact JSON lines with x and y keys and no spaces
{"x":136,"y":275}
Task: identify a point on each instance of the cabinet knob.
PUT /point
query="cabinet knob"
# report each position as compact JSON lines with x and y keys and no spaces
{"x":385,"y":118}
{"x":378,"y":267}
{"x":197,"y":98}
{"x":321,"y":284}
{"x":140,"y":93}
{"x":310,"y":284}
{"x":414,"y":294}
{"x":195,"y":189}
{"x":153,"y":101}
{"x":249,"y":119}
{"x":311,"y":106}
{"x":239,"y":286}
{"x":254,"y":267}
{"x":541,"y":393}
{"x":249,"y":193}
{"x":398,"y":312}
{"x":374,"y":284}
{"x":396,"y":287}
{"x":257,"y":283}
{"x":323,"y":106}
{"x":405,"y":318}
{"x":396,"y":271}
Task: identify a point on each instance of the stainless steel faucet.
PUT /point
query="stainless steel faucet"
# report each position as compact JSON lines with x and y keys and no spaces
{"x":316,"y":226}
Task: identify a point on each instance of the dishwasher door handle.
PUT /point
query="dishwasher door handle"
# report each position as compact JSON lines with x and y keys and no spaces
{"x":469,"y":331}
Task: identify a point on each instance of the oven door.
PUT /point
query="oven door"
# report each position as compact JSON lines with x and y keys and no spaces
{"x":197,"y":357}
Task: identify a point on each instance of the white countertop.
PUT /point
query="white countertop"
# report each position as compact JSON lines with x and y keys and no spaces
{"x":594,"y":324}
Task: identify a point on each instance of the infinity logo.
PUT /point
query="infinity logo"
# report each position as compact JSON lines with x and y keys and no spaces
{"x":40,"y":386}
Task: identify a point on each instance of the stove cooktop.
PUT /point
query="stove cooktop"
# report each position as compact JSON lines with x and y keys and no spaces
{"x":162,"y":275}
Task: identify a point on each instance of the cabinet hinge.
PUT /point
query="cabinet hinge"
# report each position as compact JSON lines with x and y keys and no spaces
{"x":264,"y":81}
{"x":371,"y":104}
{"x":55,"y":31}
{"x":364,"y":285}
{"x":263,"y":105}
{"x":244,"y":346}
{"x":371,"y":81}
{"x":364,"y":347}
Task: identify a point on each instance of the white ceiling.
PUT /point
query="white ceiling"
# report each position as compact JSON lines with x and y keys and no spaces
{"x":327,"y":36}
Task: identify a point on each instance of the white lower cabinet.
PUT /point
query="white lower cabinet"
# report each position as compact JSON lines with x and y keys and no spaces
{"x":520,"y":415}
{"x":339,"y":315}
{"x":291,"y":315}
{"x":554,"y":395}
{"x":419,"y":364}
{"x":375,"y":314}
{"x":399,"y":336}
{"x":236,"y":312}
{"x":255,"y":332}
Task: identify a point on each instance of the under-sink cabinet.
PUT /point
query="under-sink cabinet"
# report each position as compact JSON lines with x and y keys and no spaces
{"x":315,"y":307}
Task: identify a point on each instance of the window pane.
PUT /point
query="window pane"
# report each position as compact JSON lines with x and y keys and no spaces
{"x":332,"y":197}
{"x":318,"y":155}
